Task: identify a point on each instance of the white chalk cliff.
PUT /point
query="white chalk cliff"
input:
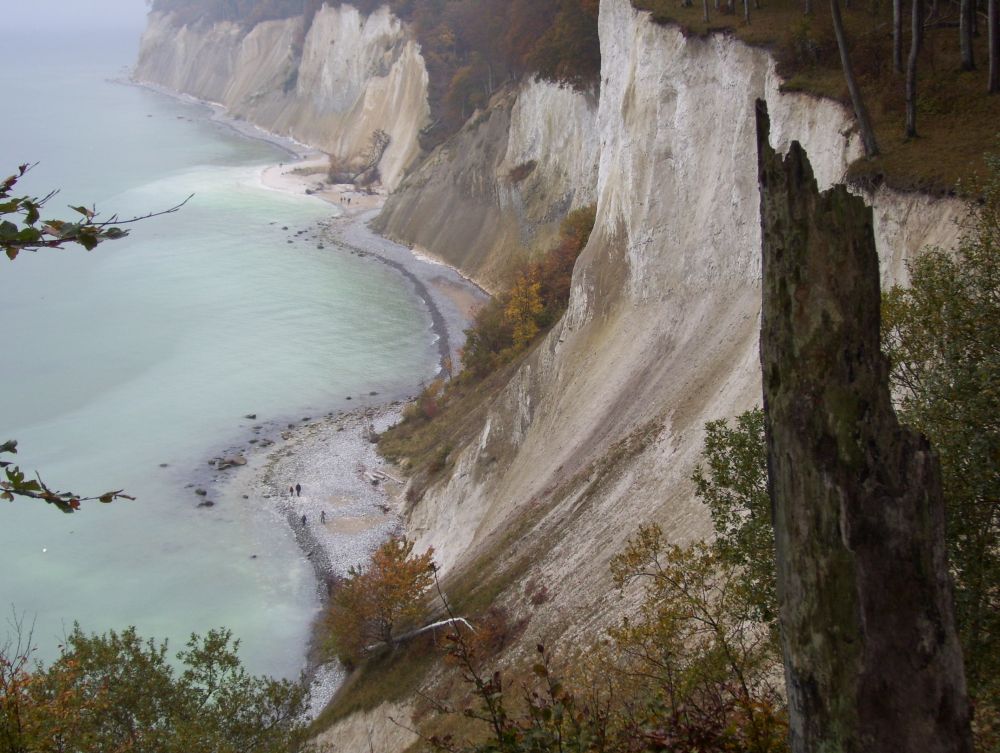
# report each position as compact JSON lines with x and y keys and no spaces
{"x":662,"y":328}
{"x":601,"y":427}
{"x":355,"y":74}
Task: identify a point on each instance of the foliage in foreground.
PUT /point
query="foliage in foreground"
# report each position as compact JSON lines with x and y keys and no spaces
{"x":23,"y":229}
{"x":15,"y":483}
{"x":733,"y":483}
{"x":689,"y":671}
{"x":942,"y":336}
{"x":119,"y":692}
{"x":371,"y":605}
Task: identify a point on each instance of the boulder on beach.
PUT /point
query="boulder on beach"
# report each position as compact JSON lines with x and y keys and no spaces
{"x":206,"y":503}
{"x":251,"y":416}
{"x":200,"y":492}
{"x":229,"y":462}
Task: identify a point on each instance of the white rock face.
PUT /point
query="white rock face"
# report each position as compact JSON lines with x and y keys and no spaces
{"x":555,"y":127}
{"x":467,"y":205}
{"x":662,"y":329}
{"x":357,"y":74}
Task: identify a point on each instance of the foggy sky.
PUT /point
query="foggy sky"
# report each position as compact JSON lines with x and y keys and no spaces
{"x":40,"y":15}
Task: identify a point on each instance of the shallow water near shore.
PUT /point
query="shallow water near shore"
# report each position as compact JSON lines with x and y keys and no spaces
{"x":150,"y":350}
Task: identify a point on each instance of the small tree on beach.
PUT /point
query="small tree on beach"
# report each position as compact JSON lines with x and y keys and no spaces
{"x":372,"y":603}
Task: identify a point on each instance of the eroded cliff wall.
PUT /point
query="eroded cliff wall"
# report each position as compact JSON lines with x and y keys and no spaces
{"x":503,"y":184}
{"x":602,"y":426}
{"x":355,"y":74}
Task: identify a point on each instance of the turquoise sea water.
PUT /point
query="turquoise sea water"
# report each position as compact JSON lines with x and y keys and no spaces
{"x":151,"y":349}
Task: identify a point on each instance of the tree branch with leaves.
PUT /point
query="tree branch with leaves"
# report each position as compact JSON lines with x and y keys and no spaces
{"x":22,"y":228}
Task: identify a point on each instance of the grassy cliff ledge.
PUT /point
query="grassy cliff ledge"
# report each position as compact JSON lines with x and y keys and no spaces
{"x":957,"y":121}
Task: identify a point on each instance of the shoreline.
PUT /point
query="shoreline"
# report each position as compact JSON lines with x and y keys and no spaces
{"x":351,"y":497}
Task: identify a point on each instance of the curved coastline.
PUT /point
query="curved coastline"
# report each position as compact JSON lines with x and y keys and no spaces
{"x":351,"y":498}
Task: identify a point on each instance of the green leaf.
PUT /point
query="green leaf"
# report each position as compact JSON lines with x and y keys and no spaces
{"x":31,"y":213}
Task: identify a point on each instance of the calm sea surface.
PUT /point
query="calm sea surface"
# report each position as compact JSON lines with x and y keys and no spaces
{"x":151,"y":349}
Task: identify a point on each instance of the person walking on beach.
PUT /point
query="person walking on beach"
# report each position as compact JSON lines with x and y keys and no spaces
{"x":303,"y":520}
{"x":322,"y":516}
{"x":291,"y":491}
{"x":298,"y":490}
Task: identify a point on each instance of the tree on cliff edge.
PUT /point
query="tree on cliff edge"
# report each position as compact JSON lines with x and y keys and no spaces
{"x":857,"y":99}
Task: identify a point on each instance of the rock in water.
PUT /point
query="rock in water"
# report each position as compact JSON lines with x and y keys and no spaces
{"x":872,"y":658}
{"x":229,"y":462}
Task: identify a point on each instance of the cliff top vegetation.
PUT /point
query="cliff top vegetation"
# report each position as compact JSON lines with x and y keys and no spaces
{"x":957,"y":120}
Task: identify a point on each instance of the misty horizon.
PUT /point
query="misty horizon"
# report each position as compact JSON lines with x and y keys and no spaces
{"x":71,"y":15}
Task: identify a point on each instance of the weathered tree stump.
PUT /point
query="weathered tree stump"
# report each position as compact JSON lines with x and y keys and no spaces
{"x":872,"y":660}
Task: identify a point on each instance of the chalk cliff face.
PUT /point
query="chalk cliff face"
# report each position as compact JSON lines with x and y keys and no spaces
{"x":503,"y":183}
{"x":602,"y":426}
{"x":355,"y":74}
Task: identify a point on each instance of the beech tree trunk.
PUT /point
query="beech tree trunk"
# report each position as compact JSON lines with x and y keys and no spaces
{"x":993,"y":22}
{"x":860,"y":111}
{"x":916,"y":42}
{"x":897,"y":36}
{"x":967,"y":12}
{"x":872,"y":659}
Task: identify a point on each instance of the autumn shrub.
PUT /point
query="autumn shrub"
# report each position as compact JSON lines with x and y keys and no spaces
{"x":511,"y":321}
{"x":374,"y":603}
{"x":688,"y":670}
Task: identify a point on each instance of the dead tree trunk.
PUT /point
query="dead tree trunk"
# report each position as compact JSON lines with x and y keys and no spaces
{"x":872,"y":660}
{"x":916,"y":42}
{"x":967,"y":11}
{"x":860,"y":111}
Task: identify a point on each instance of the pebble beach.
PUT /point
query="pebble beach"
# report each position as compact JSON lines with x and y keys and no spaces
{"x":351,"y":498}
